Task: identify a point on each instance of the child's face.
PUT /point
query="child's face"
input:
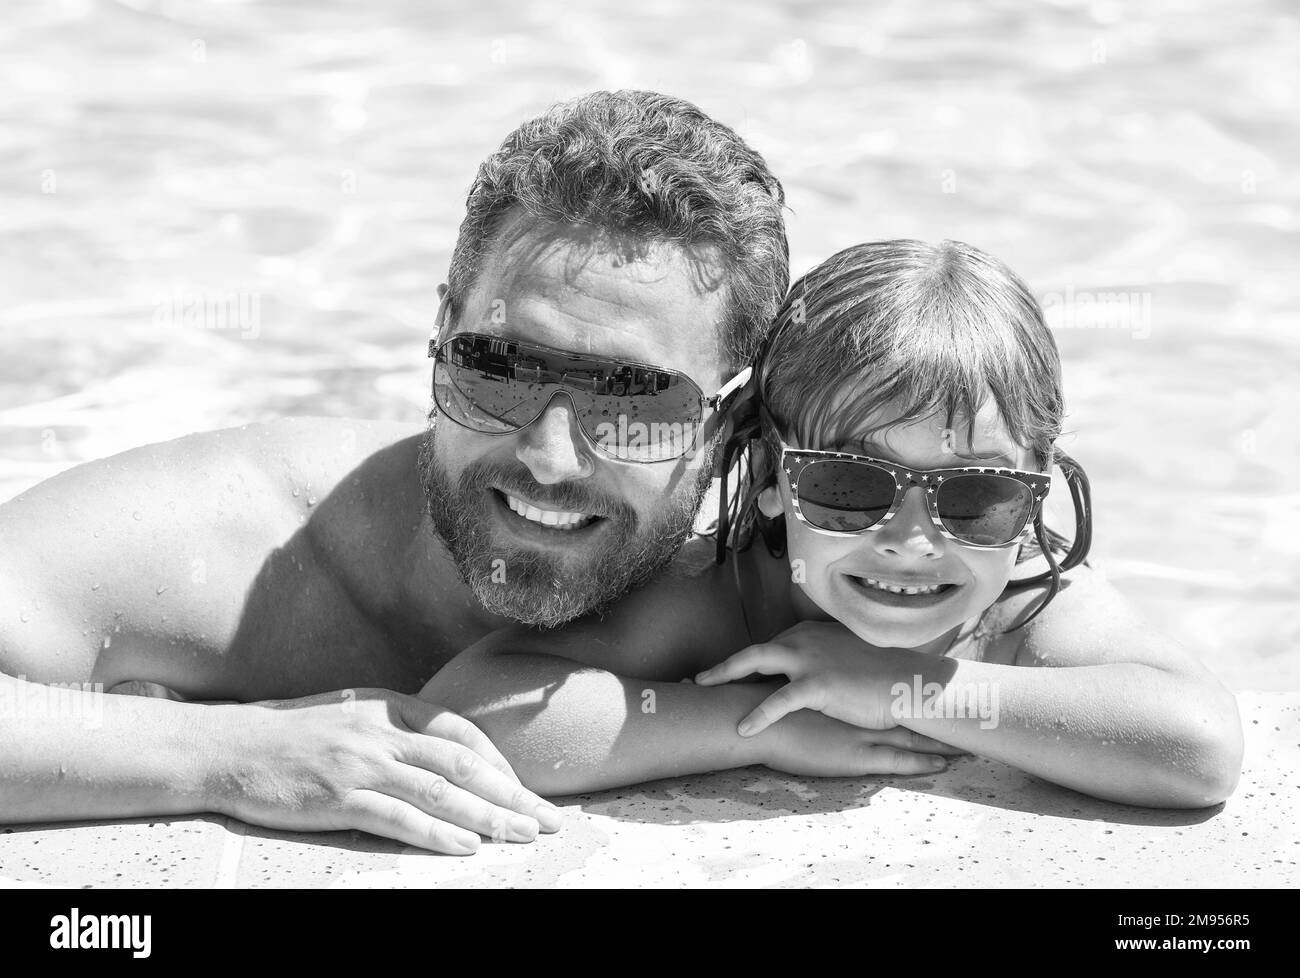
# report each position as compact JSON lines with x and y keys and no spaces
{"x":907,"y":551}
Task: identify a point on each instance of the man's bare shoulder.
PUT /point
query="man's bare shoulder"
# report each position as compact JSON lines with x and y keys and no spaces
{"x":297,"y":450}
{"x":187,"y":523}
{"x":303,"y":450}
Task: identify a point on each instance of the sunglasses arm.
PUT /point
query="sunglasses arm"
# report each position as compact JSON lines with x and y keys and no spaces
{"x":729,"y":388}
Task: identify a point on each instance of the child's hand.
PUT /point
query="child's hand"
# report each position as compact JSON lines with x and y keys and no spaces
{"x":830,"y":670}
{"x":810,"y":744}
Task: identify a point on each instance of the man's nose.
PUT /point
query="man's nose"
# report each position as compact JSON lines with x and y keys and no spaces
{"x":911,"y":533}
{"x":554,"y":447}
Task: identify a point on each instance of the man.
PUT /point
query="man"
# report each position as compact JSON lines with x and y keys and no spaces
{"x":317,"y":572}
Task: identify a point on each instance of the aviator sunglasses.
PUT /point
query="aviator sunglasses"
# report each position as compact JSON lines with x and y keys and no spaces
{"x":843,"y":495}
{"x":630,"y":411}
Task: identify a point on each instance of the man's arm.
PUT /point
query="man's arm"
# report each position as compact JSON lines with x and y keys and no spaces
{"x":90,"y":595}
{"x":599,"y":704}
{"x":71,"y":753}
{"x":363,"y":759}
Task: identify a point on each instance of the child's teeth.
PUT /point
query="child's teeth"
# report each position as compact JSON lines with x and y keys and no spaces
{"x":895,"y":589}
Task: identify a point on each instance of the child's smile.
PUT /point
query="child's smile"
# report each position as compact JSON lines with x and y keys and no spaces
{"x":903,"y":594}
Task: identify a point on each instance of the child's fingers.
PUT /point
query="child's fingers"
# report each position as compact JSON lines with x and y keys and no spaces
{"x":920,"y":742}
{"x":905,"y":739}
{"x":891,"y":760}
{"x":788,"y":699}
{"x":765,"y":659}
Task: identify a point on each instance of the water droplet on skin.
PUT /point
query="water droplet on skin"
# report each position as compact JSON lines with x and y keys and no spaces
{"x":161,"y":588}
{"x":94,"y":587}
{"x":295,"y":494}
{"x":136,"y":515}
{"x":108,"y":641}
{"x":95,"y":534}
{"x":311,"y":500}
{"x":22,"y":615}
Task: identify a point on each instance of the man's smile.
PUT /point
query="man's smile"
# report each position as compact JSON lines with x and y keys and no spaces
{"x":556,"y":518}
{"x":543,"y":524}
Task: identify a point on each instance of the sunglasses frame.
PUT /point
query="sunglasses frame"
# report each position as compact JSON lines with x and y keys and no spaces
{"x":795,"y":460}
{"x":715,"y":402}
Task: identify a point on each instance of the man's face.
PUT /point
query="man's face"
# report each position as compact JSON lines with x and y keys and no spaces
{"x":542,"y":525}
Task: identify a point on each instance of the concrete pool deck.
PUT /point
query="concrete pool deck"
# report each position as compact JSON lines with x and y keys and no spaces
{"x":979,"y":823}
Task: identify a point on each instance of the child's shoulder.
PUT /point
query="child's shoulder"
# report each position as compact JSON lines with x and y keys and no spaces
{"x":1087,"y":608}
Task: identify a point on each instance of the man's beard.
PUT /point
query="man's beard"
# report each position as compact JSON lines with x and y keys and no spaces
{"x":532,"y":586}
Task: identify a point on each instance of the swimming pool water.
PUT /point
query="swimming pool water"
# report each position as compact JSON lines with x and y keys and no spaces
{"x":311,"y":162}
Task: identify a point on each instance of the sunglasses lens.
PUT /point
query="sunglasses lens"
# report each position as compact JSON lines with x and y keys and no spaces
{"x":644,"y":415}
{"x":844,"y":496}
{"x":987,"y":510}
{"x":630,"y":412}
{"x":484,"y":402}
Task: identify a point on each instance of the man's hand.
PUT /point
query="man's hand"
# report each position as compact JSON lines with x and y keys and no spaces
{"x":830,"y":670}
{"x":374,"y":760}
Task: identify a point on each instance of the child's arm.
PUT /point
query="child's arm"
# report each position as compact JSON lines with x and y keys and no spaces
{"x":1120,"y":712}
{"x":600,"y":704}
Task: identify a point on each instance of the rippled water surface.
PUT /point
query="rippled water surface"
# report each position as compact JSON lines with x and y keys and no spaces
{"x":314,"y":157}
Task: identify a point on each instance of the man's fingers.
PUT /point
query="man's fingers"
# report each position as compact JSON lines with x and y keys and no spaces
{"x":787,"y":699}
{"x":393,"y":818}
{"x":468,"y":770}
{"x":434,"y":720}
{"x":437,"y":797}
{"x":766,"y":659}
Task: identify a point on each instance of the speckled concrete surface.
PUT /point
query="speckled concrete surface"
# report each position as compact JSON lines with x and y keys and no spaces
{"x":979,"y":823}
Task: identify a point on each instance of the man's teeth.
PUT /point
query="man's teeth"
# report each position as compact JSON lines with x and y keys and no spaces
{"x":895,"y":589}
{"x":548,"y":517}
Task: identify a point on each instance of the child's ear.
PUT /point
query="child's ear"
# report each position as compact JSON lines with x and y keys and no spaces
{"x":769,"y":503}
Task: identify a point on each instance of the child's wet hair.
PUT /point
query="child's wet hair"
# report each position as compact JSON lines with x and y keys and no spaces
{"x":920,"y":327}
{"x":890,"y":332}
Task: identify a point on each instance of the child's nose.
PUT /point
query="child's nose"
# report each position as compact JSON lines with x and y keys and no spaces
{"x":911,"y":533}
{"x":554,"y":447}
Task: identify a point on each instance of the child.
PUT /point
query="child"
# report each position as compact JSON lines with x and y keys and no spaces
{"x":909,"y":400}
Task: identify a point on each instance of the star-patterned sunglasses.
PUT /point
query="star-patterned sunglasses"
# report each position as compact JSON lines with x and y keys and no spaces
{"x":844,"y":495}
